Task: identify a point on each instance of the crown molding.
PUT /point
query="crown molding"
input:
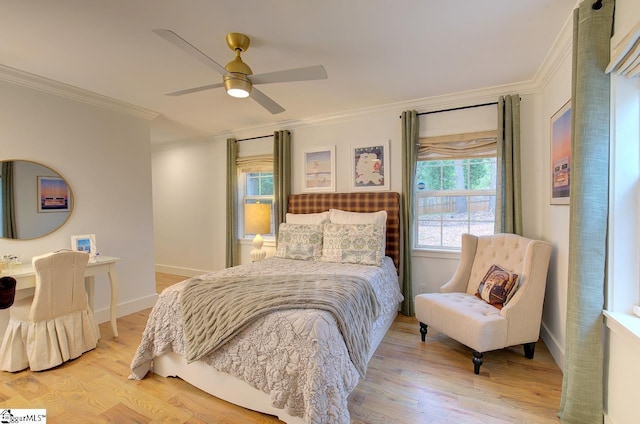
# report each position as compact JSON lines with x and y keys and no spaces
{"x":426,"y":104}
{"x":36,"y":82}
{"x":561,"y":48}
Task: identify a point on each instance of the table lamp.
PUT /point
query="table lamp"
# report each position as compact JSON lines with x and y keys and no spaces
{"x":257,"y":220}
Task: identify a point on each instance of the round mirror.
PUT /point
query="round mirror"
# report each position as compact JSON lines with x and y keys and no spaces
{"x":34,"y":200}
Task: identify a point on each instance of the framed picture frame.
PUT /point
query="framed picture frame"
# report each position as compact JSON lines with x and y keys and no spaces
{"x":85,"y":243}
{"x":561,"y":156}
{"x":370,"y":167}
{"x":319,"y":169}
{"x":53,"y":195}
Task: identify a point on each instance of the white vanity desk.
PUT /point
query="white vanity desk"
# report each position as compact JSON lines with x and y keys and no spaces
{"x":26,"y":278}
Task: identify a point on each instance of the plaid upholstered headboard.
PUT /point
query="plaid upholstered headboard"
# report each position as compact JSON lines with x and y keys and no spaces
{"x":356,"y":202}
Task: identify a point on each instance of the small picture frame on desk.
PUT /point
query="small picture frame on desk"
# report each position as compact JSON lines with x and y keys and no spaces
{"x":85,"y":243}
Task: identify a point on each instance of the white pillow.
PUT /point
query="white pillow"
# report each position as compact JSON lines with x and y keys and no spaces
{"x":308,"y":218}
{"x":337,"y":216}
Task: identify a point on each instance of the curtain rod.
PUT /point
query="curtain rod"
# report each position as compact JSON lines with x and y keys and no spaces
{"x":457,"y":108}
{"x":254,"y":138}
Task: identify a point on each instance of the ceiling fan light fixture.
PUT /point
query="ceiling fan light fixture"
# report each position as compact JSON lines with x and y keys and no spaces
{"x":237,"y":85}
{"x":236,"y":73}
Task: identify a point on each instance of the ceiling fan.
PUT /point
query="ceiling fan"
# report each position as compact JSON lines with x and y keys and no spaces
{"x":237,"y":77}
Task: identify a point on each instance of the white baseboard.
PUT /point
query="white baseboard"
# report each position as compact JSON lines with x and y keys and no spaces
{"x":131,"y":307}
{"x":608,"y":420}
{"x":552,"y":344}
{"x":175,"y":270}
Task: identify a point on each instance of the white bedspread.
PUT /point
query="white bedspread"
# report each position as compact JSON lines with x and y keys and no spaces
{"x":297,"y":356}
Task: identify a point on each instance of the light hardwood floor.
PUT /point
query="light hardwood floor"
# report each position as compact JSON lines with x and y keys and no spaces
{"x":407,"y":382}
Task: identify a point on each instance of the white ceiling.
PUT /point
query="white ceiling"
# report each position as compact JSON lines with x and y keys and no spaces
{"x":375,"y":52}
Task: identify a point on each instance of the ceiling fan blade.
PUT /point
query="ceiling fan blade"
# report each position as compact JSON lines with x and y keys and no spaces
{"x":266,"y":102}
{"x":298,"y":74}
{"x":183,"y":44}
{"x":194,"y":89}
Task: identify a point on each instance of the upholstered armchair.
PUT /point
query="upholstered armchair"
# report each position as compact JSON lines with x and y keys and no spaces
{"x":506,"y":310}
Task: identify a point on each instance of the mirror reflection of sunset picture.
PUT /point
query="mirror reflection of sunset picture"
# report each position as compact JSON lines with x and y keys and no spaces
{"x":561,"y":155}
{"x":53,"y":194}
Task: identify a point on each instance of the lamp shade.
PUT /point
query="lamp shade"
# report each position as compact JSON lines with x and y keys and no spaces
{"x":257,"y":218}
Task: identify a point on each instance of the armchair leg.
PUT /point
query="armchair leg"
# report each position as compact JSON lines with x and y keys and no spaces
{"x":529,"y":350}
{"x":477,"y":361}
{"x":423,"y":330}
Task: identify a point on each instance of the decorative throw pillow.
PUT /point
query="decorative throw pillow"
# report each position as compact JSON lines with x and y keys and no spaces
{"x":299,"y":241}
{"x":353,"y":243}
{"x":338,"y":216}
{"x":498,"y":286}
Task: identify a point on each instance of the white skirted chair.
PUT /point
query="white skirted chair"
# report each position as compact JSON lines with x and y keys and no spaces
{"x":56,"y":324}
{"x":494,"y":299}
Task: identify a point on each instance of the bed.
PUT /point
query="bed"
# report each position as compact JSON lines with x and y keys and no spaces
{"x":292,"y":362}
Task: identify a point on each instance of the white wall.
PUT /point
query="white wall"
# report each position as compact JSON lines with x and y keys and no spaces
{"x":189,"y":189}
{"x":554,"y":225}
{"x":105,"y":157}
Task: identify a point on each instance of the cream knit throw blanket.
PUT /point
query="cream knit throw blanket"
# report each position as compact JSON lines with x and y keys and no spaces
{"x":214,"y":311}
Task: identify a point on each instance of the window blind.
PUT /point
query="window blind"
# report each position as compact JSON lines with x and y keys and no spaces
{"x":259,"y":163}
{"x":458,"y":146}
{"x":625,"y":57}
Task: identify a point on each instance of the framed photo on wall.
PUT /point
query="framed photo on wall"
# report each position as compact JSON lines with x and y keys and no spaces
{"x":370,"y":167}
{"x":53,"y":195}
{"x":319,"y":169}
{"x":85,"y":243}
{"x":561,"y":155}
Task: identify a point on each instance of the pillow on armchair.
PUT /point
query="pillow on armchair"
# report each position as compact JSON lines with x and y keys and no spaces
{"x":498,"y":286}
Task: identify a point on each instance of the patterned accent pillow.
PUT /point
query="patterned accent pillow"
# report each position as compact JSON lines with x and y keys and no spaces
{"x":498,"y":286}
{"x":299,"y":241}
{"x":353,"y":243}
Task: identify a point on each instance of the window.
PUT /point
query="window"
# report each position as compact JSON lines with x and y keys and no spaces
{"x":455,"y":189}
{"x":623,"y":280}
{"x":454,"y":197}
{"x":258,"y":188}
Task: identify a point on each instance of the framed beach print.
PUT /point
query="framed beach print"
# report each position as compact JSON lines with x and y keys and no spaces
{"x":53,"y":195}
{"x":319,"y":169}
{"x":561,"y":155}
{"x":370,"y":167}
{"x":85,"y":243}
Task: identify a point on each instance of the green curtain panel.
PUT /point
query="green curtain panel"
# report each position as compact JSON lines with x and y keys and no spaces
{"x":232,"y":204}
{"x":281,"y":175}
{"x":582,"y":385}
{"x":410,"y":142}
{"x":8,"y":203}
{"x":508,"y":183}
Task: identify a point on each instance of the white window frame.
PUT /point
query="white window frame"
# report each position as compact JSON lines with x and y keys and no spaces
{"x":242,"y":198}
{"x":623,"y":289}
